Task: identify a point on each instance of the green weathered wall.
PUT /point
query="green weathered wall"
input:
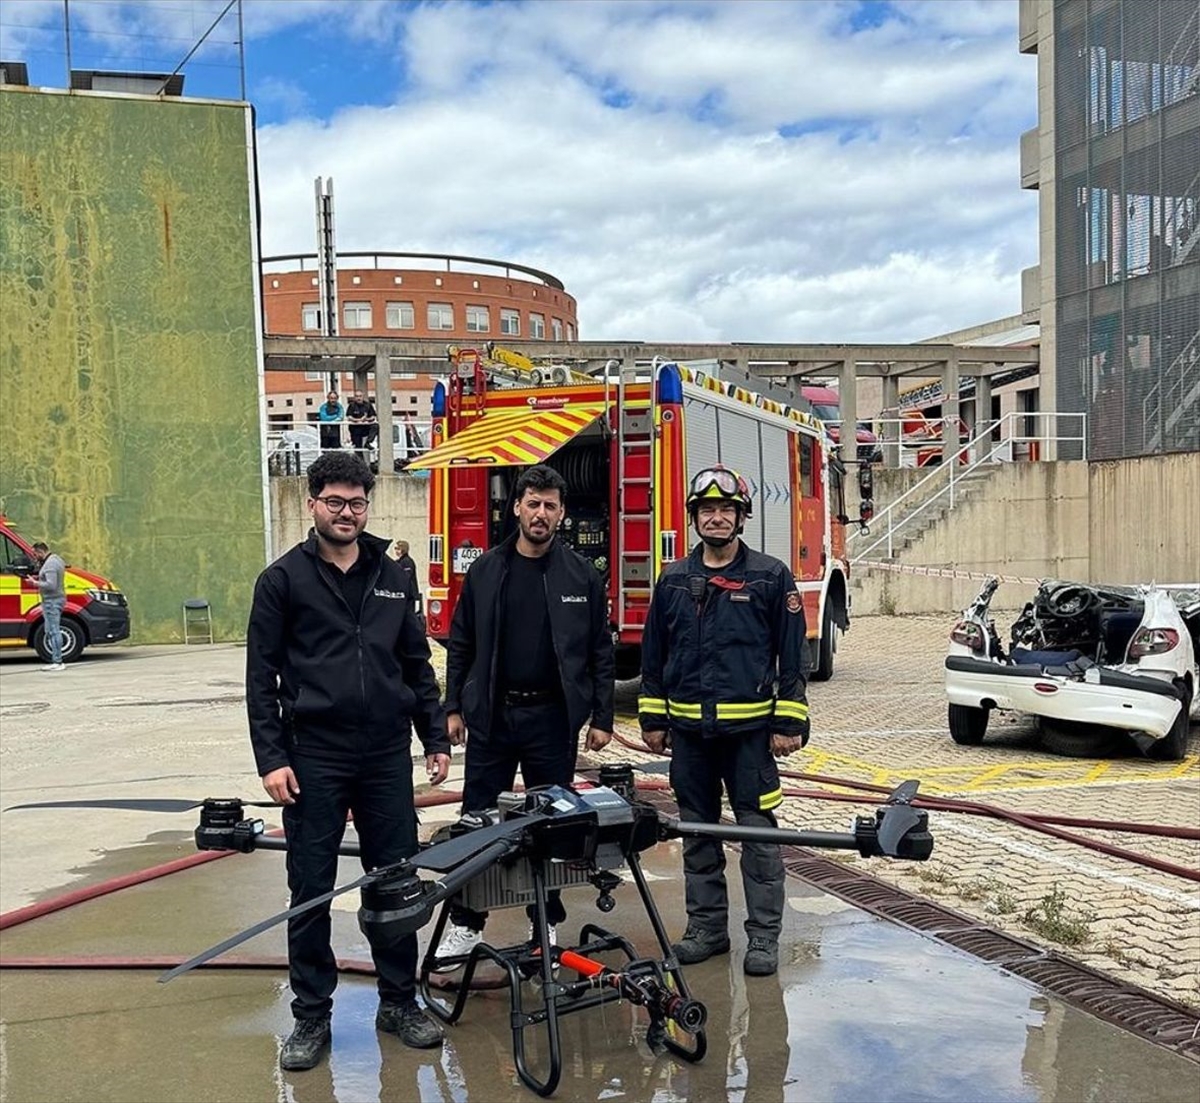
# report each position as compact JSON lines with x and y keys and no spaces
{"x":128,"y":360}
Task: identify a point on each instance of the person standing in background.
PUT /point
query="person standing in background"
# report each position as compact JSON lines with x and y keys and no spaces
{"x":330,"y":414}
{"x":51,"y":586}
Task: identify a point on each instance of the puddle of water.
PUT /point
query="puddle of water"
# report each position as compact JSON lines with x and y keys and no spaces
{"x":861,"y":1010}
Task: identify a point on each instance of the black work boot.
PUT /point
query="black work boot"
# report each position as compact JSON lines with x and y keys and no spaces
{"x":305,"y":1045}
{"x":762,"y":957}
{"x":410,"y":1023}
{"x":699,"y":944}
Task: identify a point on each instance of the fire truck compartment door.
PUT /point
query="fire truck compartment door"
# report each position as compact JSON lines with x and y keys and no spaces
{"x":504,"y":438}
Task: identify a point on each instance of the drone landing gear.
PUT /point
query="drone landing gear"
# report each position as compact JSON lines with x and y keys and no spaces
{"x":659,"y":986}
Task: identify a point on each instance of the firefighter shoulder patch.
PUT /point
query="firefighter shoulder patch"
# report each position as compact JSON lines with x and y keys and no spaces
{"x":794,"y":603}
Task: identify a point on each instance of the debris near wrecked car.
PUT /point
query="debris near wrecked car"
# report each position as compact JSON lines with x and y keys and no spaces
{"x":1091,"y":661}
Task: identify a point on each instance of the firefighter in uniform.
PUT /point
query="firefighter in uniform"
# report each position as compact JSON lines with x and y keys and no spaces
{"x":723,"y":686}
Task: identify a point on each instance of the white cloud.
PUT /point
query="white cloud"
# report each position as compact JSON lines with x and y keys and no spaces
{"x":636,"y":150}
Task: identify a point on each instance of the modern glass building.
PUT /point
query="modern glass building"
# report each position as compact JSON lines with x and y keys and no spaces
{"x":1119,"y":171}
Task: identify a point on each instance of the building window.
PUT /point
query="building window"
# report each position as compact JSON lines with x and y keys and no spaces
{"x":356,"y":315}
{"x":510,"y":323}
{"x":537,"y":327}
{"x":310,"y":316}
{"x":477,"y":319}
{"x":314,"y":376}
{"x":570,"y":332}
{"x":401,"y":316}
{"x":556,"y":328}
{"x":404,"y":375}
{"x":440,"y":316}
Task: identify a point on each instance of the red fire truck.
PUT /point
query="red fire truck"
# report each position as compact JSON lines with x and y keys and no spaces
{"x":626,"y":443}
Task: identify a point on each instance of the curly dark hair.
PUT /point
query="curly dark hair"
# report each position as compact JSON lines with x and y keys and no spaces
{"x":339,"y":467}
{"x":540,"y":477}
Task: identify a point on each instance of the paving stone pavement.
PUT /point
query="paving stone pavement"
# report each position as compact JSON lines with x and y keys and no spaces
{"x":882,"y":719}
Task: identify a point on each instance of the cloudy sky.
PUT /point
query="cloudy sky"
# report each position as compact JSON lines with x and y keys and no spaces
{"x":746,"y":171}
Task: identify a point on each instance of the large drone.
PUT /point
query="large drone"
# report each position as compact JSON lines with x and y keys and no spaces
{"x":548,"y":838}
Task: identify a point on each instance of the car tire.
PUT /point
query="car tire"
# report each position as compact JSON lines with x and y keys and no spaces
{"x":73,"y":642}
{"x":968,"y":724}
{"x":1075,"y":740}
{"x":1173,"y":746}
{"x":824,"y":648}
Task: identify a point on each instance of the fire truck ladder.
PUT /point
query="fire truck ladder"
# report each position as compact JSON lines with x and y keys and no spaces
{"x":634,"y":531}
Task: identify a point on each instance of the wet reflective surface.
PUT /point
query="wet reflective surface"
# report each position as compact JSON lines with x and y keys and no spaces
{"x":861,"y":1010}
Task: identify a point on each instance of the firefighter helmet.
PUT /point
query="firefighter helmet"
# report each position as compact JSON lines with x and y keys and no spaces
{"x":719,"y":484}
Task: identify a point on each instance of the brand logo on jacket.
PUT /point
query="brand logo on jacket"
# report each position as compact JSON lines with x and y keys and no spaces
{"x":395,"y":595}
{"x":574,"y":599}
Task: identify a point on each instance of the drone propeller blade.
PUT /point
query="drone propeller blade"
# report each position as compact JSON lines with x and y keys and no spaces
{"x":454,"y":851}
{"x":905,"y":792}
{"x":133,"y":805}
{"x":263,"y":925}
{"x":897,"y":819}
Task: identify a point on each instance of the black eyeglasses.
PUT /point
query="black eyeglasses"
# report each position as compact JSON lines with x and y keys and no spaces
{"x":357,"y":506}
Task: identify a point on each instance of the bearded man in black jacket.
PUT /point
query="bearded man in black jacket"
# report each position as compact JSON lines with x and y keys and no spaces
{"x":529,"y":661}
{"x":337,"y":666}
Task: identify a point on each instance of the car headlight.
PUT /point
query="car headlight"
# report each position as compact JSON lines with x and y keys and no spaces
{"x":108,"y":597}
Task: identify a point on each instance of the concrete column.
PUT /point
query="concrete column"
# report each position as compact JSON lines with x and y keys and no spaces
{"x":983,"y":413}
{"x":848,"y":404}
{"x":890,"y":397}
{"x":950,"y":407}
{"x":383,"y":408}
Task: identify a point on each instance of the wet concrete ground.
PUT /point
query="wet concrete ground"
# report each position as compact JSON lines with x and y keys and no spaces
{"x":861,"y":1010}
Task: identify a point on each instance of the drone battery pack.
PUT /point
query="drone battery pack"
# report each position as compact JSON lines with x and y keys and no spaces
{"x":510,"y":886}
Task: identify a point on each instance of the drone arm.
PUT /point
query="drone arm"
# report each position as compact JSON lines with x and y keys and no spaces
{"x":473,"y":867}
{"x":671,"y":828}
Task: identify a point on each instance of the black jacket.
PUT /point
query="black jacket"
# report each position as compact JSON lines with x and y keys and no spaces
{"x":320,"y":680}
{"x":578,"y":611}
{"x":724,"y":655}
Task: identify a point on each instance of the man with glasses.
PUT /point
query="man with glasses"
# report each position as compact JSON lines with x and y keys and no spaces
{"x":723,"y":686}
{"x":337,"y":666}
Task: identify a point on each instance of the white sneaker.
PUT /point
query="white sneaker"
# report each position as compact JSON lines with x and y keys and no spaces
{"x":456,"y":942}
{"x":55,"y":666}
{"x":551,"y":930}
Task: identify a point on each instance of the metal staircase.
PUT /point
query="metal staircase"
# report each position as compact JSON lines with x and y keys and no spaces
{"x":1179,"y":427}
{"x":926,"y":503}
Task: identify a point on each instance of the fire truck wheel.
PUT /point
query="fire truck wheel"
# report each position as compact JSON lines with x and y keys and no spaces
{"x":822,"y":669}
{"x":73,"y":641}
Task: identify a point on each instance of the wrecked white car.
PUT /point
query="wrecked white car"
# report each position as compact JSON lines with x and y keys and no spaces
{"x":1089,"y":661}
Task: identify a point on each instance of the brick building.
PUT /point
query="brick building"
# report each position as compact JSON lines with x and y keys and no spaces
{"x":465,"y":300}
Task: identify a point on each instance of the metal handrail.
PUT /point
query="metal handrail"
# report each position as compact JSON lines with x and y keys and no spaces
{"x":953,"y":472}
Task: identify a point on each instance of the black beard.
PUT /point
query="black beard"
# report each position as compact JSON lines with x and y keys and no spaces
{"x":538,"y":537}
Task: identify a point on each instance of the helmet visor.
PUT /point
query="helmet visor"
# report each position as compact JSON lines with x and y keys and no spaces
{"x":726,"y":482}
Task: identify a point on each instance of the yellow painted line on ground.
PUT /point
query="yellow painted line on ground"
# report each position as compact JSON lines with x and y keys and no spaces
{"x":1021,"y":774}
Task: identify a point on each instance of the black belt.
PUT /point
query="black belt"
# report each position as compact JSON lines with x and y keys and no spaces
{"x":517,"y":697}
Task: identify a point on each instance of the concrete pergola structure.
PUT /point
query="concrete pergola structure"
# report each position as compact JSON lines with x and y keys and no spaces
{"x":748,"y":364}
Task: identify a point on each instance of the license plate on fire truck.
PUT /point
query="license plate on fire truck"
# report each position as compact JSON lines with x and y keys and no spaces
{"x":463,"y":557}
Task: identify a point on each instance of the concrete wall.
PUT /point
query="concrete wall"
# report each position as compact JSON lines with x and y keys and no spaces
{"x":128,"y":346}
{"x":1145,"y":519}
{"x":1099,"y":523}
{"x":1124,"y":521}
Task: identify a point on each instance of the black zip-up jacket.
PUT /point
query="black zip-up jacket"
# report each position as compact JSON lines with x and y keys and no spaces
{"x":577,"y":607}
{"x":322,"y":681}
{"x":724,"y":655}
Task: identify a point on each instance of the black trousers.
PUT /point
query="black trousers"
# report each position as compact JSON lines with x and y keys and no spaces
{"x":746,"y":767}
{"x":535,"y":739}
{"x":378,"y":789}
